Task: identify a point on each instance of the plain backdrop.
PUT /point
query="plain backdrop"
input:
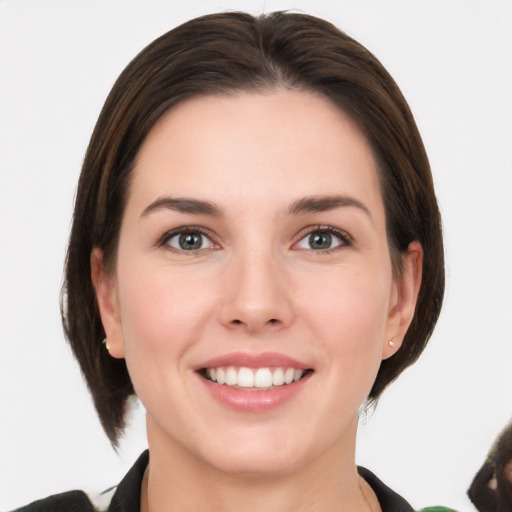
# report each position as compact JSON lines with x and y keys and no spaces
{"x":453,"y":61}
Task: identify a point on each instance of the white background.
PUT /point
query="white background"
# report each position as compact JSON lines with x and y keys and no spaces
{"x":453,"y":61}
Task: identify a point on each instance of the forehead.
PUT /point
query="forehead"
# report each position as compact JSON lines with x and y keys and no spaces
{"x":255,"y":146}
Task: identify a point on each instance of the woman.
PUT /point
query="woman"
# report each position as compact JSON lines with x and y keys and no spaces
{"x":256,"y":249}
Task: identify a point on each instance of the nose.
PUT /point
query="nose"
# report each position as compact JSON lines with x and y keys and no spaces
{"x":257,"y":294}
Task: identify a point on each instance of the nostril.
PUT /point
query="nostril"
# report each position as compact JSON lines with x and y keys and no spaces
{"x":270,"y":321}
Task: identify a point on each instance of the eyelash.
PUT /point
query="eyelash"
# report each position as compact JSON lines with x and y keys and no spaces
{"x":163,"y":241}
{"x":343,"y":236}
{"x":345,"y":239}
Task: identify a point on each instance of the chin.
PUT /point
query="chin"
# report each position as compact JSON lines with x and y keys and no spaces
{"x":259,"y":452}
{"x":262,"y":464}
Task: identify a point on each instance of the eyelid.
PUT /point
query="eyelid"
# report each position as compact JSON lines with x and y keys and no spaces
{"x":162,"y":240}
{"x":346,"y":238}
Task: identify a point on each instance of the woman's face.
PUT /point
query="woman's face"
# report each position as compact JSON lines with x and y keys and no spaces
{"x":253,"y":250}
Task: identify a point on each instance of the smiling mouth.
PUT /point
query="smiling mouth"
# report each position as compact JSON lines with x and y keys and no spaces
{"x":253,"y":379}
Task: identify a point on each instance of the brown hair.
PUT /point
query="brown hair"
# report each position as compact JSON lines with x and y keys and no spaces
{"x":223,"y":54}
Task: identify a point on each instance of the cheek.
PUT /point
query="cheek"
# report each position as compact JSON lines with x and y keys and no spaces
{"x":154,"y":310}
{"x":349,"y":320}
{"x":352,"y":308}
{"x":353,"y":342}
{"x":162,"y":316}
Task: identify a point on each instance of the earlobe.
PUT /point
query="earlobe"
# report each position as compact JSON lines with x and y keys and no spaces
{"x":106,"y":296}
{"x":390,"y":347}
{"x":404,"y":298}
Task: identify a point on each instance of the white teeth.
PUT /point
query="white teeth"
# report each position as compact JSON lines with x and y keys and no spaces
{"x":221,"y":376}
{"x":245,"y":378}
{"x":231,"y":377}
{"x":288,"y":375}
{"x":261,"y":378}
{"x":278,"y":377}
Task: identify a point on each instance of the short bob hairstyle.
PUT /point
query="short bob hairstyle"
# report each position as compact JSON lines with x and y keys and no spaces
{"x":225,"y":54}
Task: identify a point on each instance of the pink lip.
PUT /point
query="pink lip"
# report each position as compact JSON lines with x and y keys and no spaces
{"x":248,"y":360}
{"x":254,"y":401}
{"x":250,"y":400}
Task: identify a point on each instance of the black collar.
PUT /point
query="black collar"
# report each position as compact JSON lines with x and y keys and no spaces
{"x":389,"y":500}
{"x":127,"y":496}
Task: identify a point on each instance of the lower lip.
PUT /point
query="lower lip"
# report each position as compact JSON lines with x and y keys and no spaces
{"x":254,"y":401}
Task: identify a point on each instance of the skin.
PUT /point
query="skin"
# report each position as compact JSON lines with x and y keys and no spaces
{"x":256,"y":285}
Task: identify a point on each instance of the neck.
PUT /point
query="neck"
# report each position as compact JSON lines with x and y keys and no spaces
{"x":176,"y":480}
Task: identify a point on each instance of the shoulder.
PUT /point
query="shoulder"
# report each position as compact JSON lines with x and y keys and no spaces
{"x":71,"y":501}
{"x":389,"y":500}
{"x":123,"y":498}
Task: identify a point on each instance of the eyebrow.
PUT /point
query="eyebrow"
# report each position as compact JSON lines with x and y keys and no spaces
{"x":184,"y":205}
{"x":316,"y":204}
{"x":309,"y":204}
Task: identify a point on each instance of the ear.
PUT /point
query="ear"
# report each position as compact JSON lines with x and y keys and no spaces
{"x":403,"y":299}
{"x":108,"y":304}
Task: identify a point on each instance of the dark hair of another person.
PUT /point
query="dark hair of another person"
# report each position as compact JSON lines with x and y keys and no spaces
{"x":226,"y":54}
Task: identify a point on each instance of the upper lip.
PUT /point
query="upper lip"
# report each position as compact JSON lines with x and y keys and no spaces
{"x":253,"y":360}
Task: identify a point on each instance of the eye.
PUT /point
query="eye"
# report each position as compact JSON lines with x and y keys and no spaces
{"x":188,"y":241}
{"x":323,"y":239}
